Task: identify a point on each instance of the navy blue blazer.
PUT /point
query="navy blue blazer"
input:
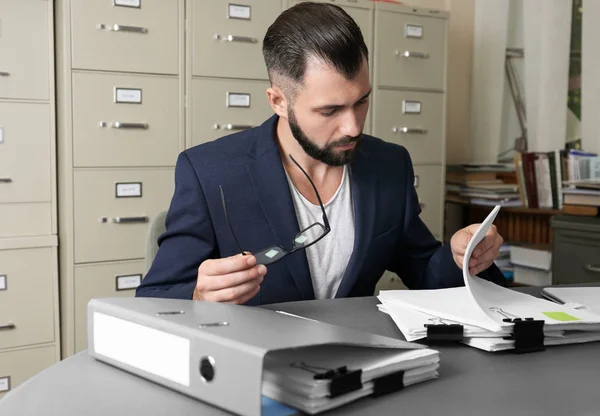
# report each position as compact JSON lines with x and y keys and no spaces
{"x":389,"y":234}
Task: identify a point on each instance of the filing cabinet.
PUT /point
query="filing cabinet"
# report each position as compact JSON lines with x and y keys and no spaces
{"x":409,"y":96}
{"x":120,"y":124}
{"x":227,"y":106}
{"x":114,"y":279}
{"x":125,"y":35}
{"x":25,"y":50}
{"x":29,"y":304}
{"x":17,"y":366}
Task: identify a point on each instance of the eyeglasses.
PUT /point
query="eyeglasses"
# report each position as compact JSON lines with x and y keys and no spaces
{"x":305,"y":238}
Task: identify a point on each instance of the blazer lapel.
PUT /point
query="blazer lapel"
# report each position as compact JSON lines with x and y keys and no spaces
{"x":364,"y":185}
{"x":270,"y":184}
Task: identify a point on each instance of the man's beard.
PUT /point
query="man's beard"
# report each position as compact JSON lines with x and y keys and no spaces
{"x":327,"y":154}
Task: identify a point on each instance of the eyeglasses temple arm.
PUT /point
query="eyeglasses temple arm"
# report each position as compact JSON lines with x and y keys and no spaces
{"x":325,"y":220}
{"x":228,"y":222}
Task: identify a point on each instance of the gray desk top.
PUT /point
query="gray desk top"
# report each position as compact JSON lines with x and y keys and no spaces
{"x":562,"y":380}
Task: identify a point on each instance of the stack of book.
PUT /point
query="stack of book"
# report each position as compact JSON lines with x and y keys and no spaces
{"x":483,"y":184}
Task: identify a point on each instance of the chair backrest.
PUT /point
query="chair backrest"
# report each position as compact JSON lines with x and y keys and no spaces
{"x":157,"y":227}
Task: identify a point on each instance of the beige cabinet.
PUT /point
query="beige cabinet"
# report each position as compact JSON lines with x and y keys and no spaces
{"x":102,"y":280}
{"x":227,"y":106}
{"x":24,"y":50}
{"x":29,"y":304}
{"x":413,"y":119}
{"x":227,"y":37}
{"x":125,"y":35}
{"x":411,"y":49}
{"x":115,"y":206}
{"x":27,"y":296}
{"x":24,"y":149}
{"x":429,"y":184}
{"x":18,"y":366}
{"x":125,"y":120}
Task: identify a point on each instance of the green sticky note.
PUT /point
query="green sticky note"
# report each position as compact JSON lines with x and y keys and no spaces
{"x":561,"y":316}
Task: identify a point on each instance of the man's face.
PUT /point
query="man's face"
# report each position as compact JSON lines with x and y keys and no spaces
{"x":329,"y":112}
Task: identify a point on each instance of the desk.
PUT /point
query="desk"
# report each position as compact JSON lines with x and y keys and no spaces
{"x":562,"y":380}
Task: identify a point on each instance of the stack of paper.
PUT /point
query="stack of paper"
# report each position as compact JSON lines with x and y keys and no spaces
{"x":488,"y":313}
{"x":292,"y":376}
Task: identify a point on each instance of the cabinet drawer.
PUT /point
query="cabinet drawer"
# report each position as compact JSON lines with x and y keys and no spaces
{"x":576,"y":261}
{"x":25,"y":220}
{"x":414,"y":120}
{"x":410,"y":50}
{"x":126,"y":35}
{"x":102,"y":281}
{"x":18,"y":366}
{"x":227,"y":37}
{"x":24,"y":152}
{"x":429,"y":186}
{"x":26,"y":296}
{"x":24,"y":49}
{"x":221,"y":107}
{"x":125,"y":120}
{"x":111,"y":227}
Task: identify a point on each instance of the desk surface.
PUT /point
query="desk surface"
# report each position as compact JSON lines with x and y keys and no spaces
{"x":562,"y":380}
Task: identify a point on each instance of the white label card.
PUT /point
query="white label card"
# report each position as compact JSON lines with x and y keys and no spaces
{"x":129,"y":281}
{"x":411,"y":107}
{"x":128,"y":95}
{"x":4,"y":384}
{"x":237,"y":11}
{"x":128,"y":3}
{"x":129,"y":190}
{"x":413,"y":31}
{"x":2,"y":282}
{"x":416,"y":181}
{"x":1,"y":134}
{"x":238,"y":100}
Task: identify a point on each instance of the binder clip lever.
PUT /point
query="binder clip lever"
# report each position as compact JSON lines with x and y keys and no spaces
{"x":342,"y":380}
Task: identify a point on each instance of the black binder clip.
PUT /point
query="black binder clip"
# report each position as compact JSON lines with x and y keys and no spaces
{"x":528,"y":335}
{"x":342,"y":380}
{"x":388,"y":384}
{"x":442,"y":332}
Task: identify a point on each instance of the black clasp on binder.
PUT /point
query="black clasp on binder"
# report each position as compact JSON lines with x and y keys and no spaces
{"x":388,"y":384}
{"x":342,"y":380}
{"x":442,"y":332}
{"x":528,"y":335}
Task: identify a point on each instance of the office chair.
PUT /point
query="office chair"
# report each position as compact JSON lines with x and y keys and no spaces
{"x":157,"y":227}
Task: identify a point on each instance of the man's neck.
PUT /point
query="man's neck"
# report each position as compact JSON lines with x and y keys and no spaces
{"x":326,"y":178}
{"x":317,"y":170}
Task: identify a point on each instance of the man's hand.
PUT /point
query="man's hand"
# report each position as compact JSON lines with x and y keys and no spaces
{"x":483,"y":254}
{"x":233,"y":279}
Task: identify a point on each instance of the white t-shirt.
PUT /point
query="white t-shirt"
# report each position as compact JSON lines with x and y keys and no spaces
{"x":328,"y":258}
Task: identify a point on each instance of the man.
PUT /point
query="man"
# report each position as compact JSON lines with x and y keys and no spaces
{"x":243,"y":199}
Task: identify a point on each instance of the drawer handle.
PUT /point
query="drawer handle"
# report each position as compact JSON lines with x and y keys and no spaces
{"x":422,"y":205}
{"x":4,"y":74}
{"x":7,"y":327}
{"x":409,"y":130}
{"x":592,"y":268}
{"x":120,"y":125}
{"x":233,"y":126}
{"x":5,"y":180}
{"x":233,"y":38}
{"x":121,"y":28}
{"x":128,"y":220}
{"x":410,"y":54}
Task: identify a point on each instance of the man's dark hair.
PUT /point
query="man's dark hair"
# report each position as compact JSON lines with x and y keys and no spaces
{"x":323,"y":31}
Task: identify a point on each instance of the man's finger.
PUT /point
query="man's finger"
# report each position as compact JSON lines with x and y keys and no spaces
{"x":246,"y":297}
{"x":214,"y":283}
{"x":232,"y":293}
{"x":228,"y":265}
{"x":485,"y":244}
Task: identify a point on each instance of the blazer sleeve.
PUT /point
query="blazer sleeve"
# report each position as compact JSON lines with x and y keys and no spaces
{"x":189,"y":239}
{"x":420,"y":260}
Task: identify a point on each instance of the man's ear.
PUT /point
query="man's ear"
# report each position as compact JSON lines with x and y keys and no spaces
{"x":277,"y":100}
